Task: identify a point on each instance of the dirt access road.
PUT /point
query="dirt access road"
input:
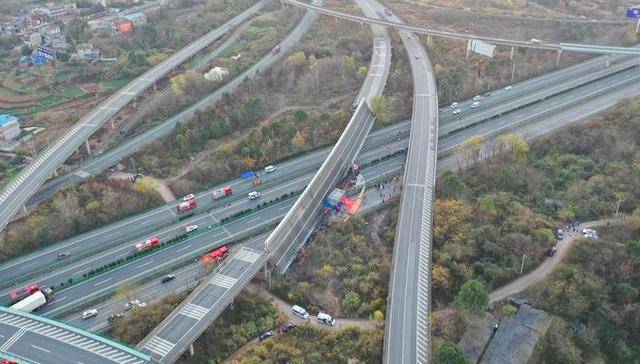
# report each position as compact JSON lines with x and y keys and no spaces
{"x":285,"y":309}
{"x":548,"y":266}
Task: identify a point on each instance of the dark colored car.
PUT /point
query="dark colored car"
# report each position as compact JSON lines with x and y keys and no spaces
{"x":552,"y":251}
{"x":288,"y":327}
{"x":167,"y":278}
{"x":265,"y":335}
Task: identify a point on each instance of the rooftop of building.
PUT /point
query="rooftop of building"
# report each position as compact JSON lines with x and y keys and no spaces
{"x":6,"y":119}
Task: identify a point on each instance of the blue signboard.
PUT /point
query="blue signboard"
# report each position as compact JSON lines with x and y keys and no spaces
{"x":45,"y":52}
{"x":248,"y":174}
{"x":633,"y":12}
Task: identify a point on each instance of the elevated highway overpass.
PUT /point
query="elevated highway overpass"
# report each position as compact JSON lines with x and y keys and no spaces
{"x":17,"y":192}
{"x":29,"y":338}
{"x":569,"y":47}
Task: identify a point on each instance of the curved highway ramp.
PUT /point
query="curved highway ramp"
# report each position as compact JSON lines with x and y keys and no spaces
{"x":18,"y":192}
{"x":28,"y":338}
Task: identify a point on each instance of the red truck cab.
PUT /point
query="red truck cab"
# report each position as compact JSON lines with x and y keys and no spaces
{"x":217,"y":254}
{"x":187,"y":205}
{"x":147,"y":244}
{"x":25,"y":292}
{"x":221,"y":192}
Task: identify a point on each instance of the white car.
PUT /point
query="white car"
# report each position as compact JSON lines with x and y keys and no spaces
{"x":589,"y":233}
{"x":508,"y":87}
{"x":89,"y":313}
{"x":269,"y":169}
{"x":253,"y":195}
{"x":188,"y":197}
{"x":475,"y":104}
{"x":477,"y":97}
{"x":190,"y":228}
{"x":453,"y":105}
{"x":456,"y":111}
{"x":131,"y":304}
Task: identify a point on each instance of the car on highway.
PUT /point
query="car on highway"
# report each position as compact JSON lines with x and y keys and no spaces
{"x":131,"y":304}
{"x":254,"y":195}
{"x":477,"y":97}
{"x":64,"y":255}
{"x":552,"y":251}
{"x":89,"y":313}
{"x":265,"y":335}
{"x":167,"y":278}
{"x":456,"y":111}
{"x":325,"y":319}
{"x":535,"y":41}
{"x":487,"y":94}
{"x":115,"y":316}
{"x":190,"y":228}
{"x":560,"y":234}
{"x":508,"y":87}
{"x":269,"y":169}
{"x":453,"y":105}
{"x":300,"y":311}
{"x":288,"y":327}
{"x":188,"y":197}
{"x":475,"y":104}
{"x":417,"y":56}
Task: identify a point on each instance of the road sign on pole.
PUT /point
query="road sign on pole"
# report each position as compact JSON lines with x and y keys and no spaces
{"x":633,"y":12}
{"x":481,"y":47}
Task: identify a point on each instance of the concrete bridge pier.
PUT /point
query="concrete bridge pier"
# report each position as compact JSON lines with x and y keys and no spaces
{"x":88,"y":147}
{"x":192,"y":351}
{"x":558,"y":57}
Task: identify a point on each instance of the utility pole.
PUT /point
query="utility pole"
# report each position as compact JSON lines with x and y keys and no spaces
{"x":618,"y":207}
{"x":522,"y":264}
{"x":133,"y":166}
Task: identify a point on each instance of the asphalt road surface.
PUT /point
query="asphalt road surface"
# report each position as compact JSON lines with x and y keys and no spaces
{"x":17,"y":192}
{"x":28,"y":337}
{"x":113,"y":156}
{"x":407,"y":331}
{"x":286,"y":179}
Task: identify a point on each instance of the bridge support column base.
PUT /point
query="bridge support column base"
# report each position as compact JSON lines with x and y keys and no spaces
{"x":88,"y":147}
{"x":513,"y":50}
{"x":267,"y":275}
{"x":558,"y":57}
{"x":192,"y":351}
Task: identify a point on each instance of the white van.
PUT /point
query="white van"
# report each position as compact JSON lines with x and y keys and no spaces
{"x":300,"y":311}
{"x":269,"y":169}
{"x":326,"y":319}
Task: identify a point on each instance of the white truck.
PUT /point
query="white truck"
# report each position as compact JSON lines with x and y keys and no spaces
{"x":31,"y":303}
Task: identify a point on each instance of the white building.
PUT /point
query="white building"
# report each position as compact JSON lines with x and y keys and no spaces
{"x":9,"y":127}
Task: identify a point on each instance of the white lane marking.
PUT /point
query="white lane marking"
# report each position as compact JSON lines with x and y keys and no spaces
{"x":145,"y":264}
{"x":41,"y":349}
{"x":185,"y":248}
{"x":105,"y":281}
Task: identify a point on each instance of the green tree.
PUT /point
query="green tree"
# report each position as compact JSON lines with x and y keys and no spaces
{"x":77,"y":29}
{"x":379,"y":108}
{"x":300,"y":115}
{"x":351,"y":301}
{"x":450,"y":353}
{"x":473,"y":296}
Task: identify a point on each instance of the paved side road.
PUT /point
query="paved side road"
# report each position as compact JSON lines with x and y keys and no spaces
{"x":548,"y":266}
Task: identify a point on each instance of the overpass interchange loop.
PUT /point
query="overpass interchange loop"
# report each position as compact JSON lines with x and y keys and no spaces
{"x":178,"y":331}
